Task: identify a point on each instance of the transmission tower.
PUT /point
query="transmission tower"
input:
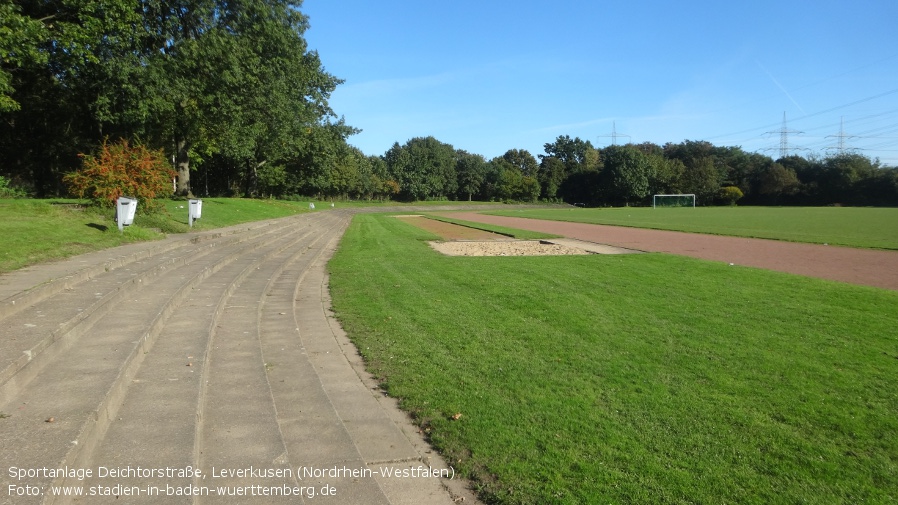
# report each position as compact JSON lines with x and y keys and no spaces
{"x":614,"y":135}
{"x":784,"y":138}
{"x":841,"y":136}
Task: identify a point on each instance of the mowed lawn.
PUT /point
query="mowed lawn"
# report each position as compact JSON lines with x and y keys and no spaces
{"x":849,"y":226}
{"x":629,"y":379}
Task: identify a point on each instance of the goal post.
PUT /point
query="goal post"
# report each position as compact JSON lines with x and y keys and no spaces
{"x":683,"y":200}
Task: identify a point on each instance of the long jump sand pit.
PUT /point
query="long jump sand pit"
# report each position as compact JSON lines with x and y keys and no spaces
{"x":465,"y":241}
{"x":504,"y":248}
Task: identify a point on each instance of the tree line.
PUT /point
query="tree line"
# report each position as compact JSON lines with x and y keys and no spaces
{"x":230,"y":92}
{"x":574,"y":171}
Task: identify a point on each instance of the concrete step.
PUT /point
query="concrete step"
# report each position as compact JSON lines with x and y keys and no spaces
{"x":71,"y":312}
{"x":77,"y":389}
{"x":156,"y":423}
{"x":239,"y":422}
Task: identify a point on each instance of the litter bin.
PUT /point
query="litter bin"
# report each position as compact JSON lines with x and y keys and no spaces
{"x":194,"y":210}
{"x":125,"y":208}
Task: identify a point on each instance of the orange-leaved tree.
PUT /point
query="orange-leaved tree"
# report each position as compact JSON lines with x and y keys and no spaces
{"x":120,"y":169}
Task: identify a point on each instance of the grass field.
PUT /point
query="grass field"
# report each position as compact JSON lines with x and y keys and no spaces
{"x":629,"y":379}
{"x":850,"y":226}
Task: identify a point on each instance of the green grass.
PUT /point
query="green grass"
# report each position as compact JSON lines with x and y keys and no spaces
{"x":629,"y":379}
{"x":849,"y":226}
{"x":221,"y":212}
{"x":40,"y":230}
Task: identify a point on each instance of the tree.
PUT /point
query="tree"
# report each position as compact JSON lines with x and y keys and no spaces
{"x":882,"y":188}
{"x":471,"y":171}
{"x":627,"y":172}
{"x":49,"y":52}
{"x":666,"y":175}
{"x":383,"y":186}
{"x":512,"y":184}
{"x":273,"y":181}
{"x":321,"y":147}
{"x":424,"y":168}
{"x":650,"y":149}
{"x":810,"y":175}
{"x":738,"y":168}
{"x":231,"y":82}
{"x":701,"y":179}
{"x":704,"y":170}
{"x":690,"y":152}
{"x":346,"y":174}
{"x":576,"y":155}
{"x":551,"y":176}
{"x":522,"y":160}
{"x":842,"y":175}
{"x":777,"y":181}
{"x":235,"y":75}
{"x":20,"y":36}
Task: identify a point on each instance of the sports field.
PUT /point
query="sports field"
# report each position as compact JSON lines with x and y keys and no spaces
{"x":629,"y":379}
{"x":849,"y":226}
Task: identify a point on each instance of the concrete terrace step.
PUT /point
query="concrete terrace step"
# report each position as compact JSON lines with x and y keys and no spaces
{"x":77,"y":387}
{"x":27,"y":332}
{"x":167,"y":388}
{"x":229,"y":362}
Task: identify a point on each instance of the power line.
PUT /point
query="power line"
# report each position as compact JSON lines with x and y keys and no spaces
{"x":614,"y":135}
{"x":862,"y":100}
{"x":784,"y":138}
{"x":841,"y":136}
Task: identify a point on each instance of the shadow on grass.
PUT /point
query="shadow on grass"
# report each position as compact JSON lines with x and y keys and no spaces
{"x":100,"y":227}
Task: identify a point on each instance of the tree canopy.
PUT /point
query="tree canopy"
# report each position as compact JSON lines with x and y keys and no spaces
{"x":230,"y":81}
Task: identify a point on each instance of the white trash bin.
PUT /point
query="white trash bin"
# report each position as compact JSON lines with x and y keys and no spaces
{"x":125,"y":209}
{"x":194,"y":211}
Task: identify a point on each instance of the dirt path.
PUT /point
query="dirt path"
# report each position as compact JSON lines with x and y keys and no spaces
{"x":857,"y":266}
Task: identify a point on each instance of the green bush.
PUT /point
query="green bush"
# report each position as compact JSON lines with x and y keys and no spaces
{"x":729,"y":194}
{"x":7,"y":191}
{"x":120,"y":169}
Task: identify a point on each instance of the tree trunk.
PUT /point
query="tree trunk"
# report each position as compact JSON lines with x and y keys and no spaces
{"x":252,"y":179}
{"x":182,"y":163}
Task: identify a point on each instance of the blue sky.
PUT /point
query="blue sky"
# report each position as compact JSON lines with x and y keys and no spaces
{"x":489,"y":76}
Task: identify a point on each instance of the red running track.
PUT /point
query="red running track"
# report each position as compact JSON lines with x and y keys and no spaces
{"x":868,"y":267}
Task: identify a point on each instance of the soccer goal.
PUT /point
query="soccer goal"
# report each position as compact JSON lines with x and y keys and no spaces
{"x":673,"y":200}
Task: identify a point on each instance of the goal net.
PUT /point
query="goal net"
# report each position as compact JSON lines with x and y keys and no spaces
{"x":673,"y":200}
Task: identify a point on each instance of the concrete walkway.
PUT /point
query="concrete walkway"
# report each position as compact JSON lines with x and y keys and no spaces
{"x":205,"y":368}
